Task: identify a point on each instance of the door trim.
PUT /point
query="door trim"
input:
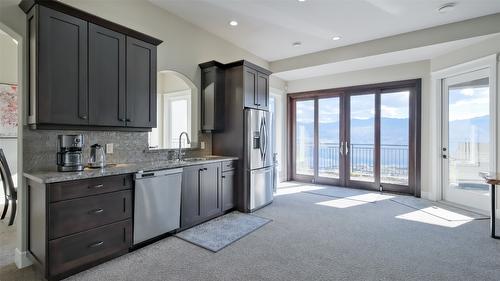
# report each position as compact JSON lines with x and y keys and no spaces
{"x":415,"y":125}
{"x":435,"y":170}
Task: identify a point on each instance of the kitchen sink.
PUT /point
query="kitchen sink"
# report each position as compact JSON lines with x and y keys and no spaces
{"x":195,"y":159}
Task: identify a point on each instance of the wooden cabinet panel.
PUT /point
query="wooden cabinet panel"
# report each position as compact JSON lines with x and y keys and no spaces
{"x":210,"y":190}
{"x":250,"y":87}
{"x":106,"y":77}
{"x":229,"y":165}
{"x":62,"y":93}
{"x":72,"y":216}
{"x":201,"y":194}
{"x":190,"y":196}
{"x":262,"y":91}
{"x":141,"y":84}
{"x":228,"y":190}
{"x":212,"y":98}
{"x":74,"y":251}
{"x":81,"y":188}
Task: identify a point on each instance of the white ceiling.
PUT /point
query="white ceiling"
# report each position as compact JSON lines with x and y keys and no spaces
{"x":386,"y":59}
{"x":268,"y":28}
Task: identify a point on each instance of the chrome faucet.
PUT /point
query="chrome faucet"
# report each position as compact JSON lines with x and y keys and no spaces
{"x":180,"y":153}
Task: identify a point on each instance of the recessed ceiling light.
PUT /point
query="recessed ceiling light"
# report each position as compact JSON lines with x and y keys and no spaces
{"x":296,"y":44}
{"x":233,"y":23}
{"x":447,"y":7}
{"x":302,"y":0}
{"x":335,"y":38}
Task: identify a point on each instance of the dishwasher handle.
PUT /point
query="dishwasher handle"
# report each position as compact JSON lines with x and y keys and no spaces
{"x":149,"y":174}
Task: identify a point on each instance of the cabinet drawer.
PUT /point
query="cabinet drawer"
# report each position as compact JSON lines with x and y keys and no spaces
{"x":84,"y":248}
{"x":229,"y":165}
{"x":81,"y":188}
{"x":71,"y":216}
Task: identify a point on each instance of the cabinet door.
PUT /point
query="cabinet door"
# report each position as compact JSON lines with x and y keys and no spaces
{"x":190,"y":196}
{"x":212,"y":99}
{"x":106,"y":77}
{"x":208,"y":91}
{"x":62,"y":95}
{"x":210,"y":190}
{"x":228,"y":192}
{"x":250,"y":87}
{"x":263,"y":91}
{"x":141,"y":84}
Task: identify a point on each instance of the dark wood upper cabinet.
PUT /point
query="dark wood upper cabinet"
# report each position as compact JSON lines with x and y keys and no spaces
{"x":250,"y":87}
{"x":106,"y":77}
{"x":86,"y":72}
{"x":262,"y":94}
{"x":141,"y":84}
{"x":212,"y":97}
{"x":61,"y":93}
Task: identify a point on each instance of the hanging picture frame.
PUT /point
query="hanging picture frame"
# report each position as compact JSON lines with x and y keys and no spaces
{"x":8,"y":110}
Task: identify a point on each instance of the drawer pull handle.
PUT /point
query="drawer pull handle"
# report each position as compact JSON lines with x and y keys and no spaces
{"x":96,"y":186}
{"x":96,"y":244}
{"x":96,"y":211}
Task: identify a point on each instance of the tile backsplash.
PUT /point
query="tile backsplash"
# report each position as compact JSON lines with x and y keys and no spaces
{"x":40,"y":147}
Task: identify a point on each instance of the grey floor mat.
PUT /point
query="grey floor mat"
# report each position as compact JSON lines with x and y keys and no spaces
{"x":219,"y":233}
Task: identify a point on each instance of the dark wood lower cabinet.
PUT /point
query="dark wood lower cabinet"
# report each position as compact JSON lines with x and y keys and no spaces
{"x":74,"y":251}
{"x":228,"y":190}
{"x":75,"y":225}
{"x":204,"y":195}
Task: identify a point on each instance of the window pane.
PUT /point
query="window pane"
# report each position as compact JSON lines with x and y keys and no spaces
{"x":304,"y":142}
{"x":394,"y":135}
{"x":362,"y":130}
{"x":329,"y":137}
{"x":469,"y":135}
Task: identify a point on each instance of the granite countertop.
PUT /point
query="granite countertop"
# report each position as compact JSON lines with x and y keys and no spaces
{"x":51,"y":176}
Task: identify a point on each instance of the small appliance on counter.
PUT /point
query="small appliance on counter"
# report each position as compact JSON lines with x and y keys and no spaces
{"x":70,"y":153}
{"x":97,"y":156}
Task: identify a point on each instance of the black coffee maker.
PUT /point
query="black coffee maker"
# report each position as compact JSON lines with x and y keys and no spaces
{"x":70,"y":153}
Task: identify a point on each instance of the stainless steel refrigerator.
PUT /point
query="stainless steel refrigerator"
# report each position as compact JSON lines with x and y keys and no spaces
{"x":258,"y":159}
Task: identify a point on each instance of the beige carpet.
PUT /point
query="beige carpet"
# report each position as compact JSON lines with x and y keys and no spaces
{"x":316,"y":237}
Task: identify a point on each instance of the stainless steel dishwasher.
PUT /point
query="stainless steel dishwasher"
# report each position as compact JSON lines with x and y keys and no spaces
{"x":157,"y":203}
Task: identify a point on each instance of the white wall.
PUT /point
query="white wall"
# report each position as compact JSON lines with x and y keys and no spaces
{"x":378,"y":75}
{"x":8,"y":75}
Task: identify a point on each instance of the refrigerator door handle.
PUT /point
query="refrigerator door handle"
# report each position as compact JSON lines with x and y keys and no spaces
{"x":264,"y":131}
{"x":261,"y":144}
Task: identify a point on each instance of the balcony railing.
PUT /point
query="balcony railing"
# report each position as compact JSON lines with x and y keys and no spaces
{"x":394,"y":161}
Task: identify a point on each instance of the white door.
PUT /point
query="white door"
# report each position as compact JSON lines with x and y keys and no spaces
{"x":467,"y":139}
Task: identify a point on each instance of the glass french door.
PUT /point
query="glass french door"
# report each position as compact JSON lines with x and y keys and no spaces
{"x":364,"y":139}
{"x":318,"y":135}
{"x":467,"y":138}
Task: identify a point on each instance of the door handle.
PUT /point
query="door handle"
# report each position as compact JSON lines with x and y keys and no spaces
{"x":341,"y":148}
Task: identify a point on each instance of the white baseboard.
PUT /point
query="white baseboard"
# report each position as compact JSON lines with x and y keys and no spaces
{"x":428,"y":195}
{"x":21,"y":259}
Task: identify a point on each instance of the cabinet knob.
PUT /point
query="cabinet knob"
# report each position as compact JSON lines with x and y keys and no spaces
{"x":84,"y":117}
{"x":128,"y":120}
{"x":121,"y":119}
